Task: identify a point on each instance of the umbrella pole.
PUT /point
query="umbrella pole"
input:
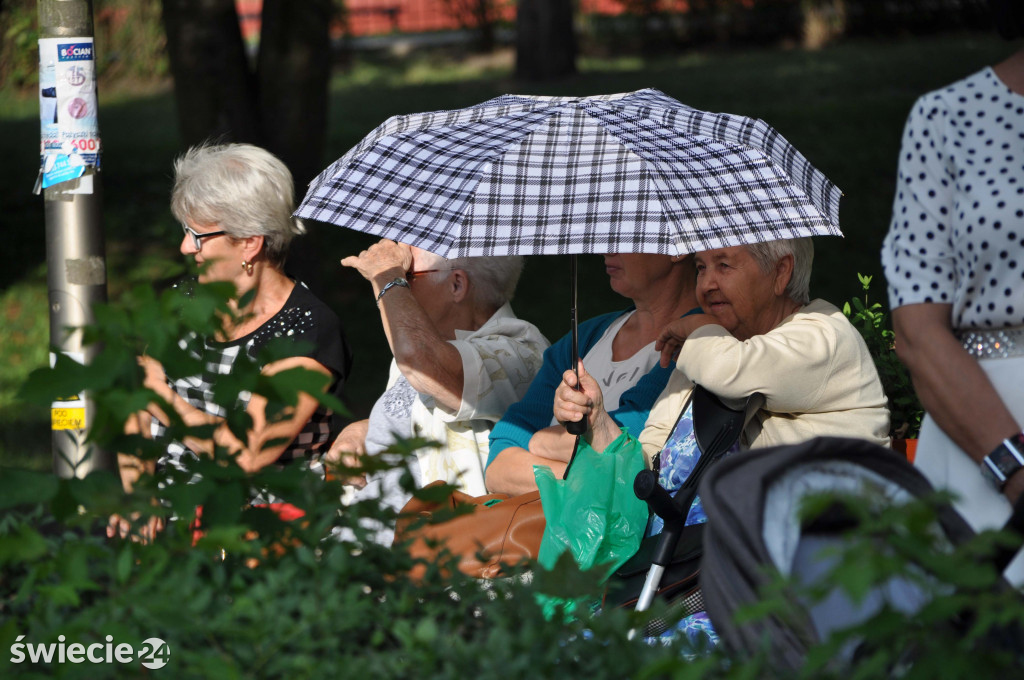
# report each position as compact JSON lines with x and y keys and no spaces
{"x":579,"y":427}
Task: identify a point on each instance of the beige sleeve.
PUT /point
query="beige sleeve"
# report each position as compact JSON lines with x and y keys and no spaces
{"x":790,"y":365}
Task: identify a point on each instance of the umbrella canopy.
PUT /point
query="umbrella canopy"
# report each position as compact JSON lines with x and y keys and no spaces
{"x":623,"y":173}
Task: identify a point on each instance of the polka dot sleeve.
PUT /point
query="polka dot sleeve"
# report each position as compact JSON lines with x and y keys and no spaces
{"x":957,"y":231}
{"x":917,"y":255}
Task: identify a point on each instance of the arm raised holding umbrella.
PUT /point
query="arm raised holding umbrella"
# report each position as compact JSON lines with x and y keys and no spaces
{"x":461,"y":357}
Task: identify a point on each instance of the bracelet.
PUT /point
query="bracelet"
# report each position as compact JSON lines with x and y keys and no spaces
{"x":1004,"y":461}
{"x":389,"y":285}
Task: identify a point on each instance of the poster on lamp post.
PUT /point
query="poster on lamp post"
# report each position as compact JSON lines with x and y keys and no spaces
{"x":69,"y":126}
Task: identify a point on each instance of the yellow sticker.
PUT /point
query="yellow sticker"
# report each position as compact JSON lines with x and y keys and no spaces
{"x":67,"y":418}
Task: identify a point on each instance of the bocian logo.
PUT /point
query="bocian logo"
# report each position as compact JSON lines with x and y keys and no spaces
{"x":74,"y":52}
{"x":153,"y":653}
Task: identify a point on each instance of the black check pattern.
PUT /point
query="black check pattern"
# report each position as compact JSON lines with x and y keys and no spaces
{"x":517,"y":175}
{"x":197,"y":390}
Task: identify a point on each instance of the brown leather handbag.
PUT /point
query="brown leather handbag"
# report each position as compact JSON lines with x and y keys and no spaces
{"x":498,"y":533}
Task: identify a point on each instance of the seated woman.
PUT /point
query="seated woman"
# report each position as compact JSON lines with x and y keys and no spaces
{"x":618,"y":348}
{"x":461,"y":357}
{"x":760,"y":334}
{"x":235,"y":204}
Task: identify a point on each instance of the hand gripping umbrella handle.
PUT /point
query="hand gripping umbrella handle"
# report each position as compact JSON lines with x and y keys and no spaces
{"x":577,"y":427}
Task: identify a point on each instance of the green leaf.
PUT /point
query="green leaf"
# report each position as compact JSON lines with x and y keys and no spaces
{"x":24,"y":544}
{"x":18,"y":487}
{"x":125,"y":559}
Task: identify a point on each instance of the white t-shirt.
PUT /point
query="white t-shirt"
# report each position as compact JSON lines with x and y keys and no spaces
{"x":615,"y":377}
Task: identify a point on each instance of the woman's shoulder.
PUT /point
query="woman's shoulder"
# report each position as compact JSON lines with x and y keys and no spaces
{"x":303,"y":299}
{"x":303,"y":316}
{"x":826,"y":319}
{"x":967,"y":90}
{"x":596,"y":324}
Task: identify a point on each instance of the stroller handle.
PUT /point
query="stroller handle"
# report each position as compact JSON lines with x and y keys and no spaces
{"x":647,"y":488}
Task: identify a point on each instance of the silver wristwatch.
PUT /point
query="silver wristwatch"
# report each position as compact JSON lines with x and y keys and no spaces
{"x":1004,"y":461}
{"x":389,"y":285}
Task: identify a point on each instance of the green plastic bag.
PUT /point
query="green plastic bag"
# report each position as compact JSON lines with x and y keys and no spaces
{"x":594,"y":513}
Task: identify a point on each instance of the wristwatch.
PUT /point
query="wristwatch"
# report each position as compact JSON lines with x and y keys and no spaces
{"x":389,"y":285}
{"x":1004,"y":461}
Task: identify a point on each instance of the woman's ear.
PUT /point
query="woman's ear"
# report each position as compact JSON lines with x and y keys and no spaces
{"x":459,"y":285}
{"x":783,"y":274}
{"x":252,"y":246}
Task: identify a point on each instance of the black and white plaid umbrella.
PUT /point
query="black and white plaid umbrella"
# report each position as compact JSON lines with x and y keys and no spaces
{"x":518,"y":175}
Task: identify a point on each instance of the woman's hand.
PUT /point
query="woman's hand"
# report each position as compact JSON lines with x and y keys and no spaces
{"x":674,"y":335}
{"x":154,"y":377}
{"x":121,"y":527}
{"x":573,"y":404}
{"x":384,"y":260}
{"x":576,"y":400}
{"x":348,"y":449}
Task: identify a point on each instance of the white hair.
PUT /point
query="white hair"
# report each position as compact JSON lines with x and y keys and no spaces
{"x":240,"y":188}
{"x":768,"y":254}
{"x":493,"y":279}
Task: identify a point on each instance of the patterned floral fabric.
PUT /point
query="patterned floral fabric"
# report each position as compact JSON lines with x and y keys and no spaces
{"x":678,"y":458}
{"x":697,"y":628}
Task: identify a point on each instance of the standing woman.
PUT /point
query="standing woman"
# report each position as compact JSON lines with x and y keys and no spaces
{"x":954,"y":262}
{"x":235,"y":204}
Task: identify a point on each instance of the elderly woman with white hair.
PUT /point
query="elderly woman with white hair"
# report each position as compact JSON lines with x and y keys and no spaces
{"x":461,"y":357}
{"x":760,"y":333}
{"x":235,"y":204}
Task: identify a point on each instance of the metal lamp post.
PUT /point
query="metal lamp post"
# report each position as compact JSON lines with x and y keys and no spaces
{"x":71,"y":186}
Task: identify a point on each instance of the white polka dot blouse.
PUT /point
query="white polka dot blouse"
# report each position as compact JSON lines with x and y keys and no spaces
{"x":957,"y":232}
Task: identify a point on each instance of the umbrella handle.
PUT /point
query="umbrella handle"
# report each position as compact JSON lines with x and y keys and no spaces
{"x":577,"y":427}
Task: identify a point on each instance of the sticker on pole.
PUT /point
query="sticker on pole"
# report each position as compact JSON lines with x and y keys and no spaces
{"x":69,"y":125}
{"x":68,"y":412}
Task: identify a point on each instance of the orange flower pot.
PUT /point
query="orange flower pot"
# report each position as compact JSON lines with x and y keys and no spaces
{"x":908,"y":447}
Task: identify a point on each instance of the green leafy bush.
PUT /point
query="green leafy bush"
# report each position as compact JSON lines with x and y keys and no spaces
{"x":252,"y":596}
{"x":255,"y":596}
{"x":905,"y":410}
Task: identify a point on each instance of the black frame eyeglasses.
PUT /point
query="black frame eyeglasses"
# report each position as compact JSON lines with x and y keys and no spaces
{"x":411,"y":275}
{"x":197,"y":237}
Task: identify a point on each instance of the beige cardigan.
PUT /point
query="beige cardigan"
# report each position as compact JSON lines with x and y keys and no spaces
{"x":813,"y":370}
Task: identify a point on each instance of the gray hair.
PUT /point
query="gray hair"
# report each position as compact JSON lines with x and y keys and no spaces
{"x":493,"y":279}
{"x":767,"y":254}
{"x":241,"y":188}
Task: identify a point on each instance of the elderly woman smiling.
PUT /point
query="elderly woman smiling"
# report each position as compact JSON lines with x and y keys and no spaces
{"x":759,"y":334}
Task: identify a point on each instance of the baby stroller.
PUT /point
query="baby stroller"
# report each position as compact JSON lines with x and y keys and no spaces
{"x":755,"y":531}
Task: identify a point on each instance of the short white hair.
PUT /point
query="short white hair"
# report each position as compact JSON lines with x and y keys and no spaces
{"x":493,"y":278}
{"x":240,"y":188}
{"x":768,"y":254}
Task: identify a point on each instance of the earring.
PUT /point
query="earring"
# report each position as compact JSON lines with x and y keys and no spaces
{"x":247,"y":266}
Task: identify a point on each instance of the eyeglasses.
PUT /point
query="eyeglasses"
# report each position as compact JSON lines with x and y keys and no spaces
{"x":197,"y":237}
{"x":411,"y":275}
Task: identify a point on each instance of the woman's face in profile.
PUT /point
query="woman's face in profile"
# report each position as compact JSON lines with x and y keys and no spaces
{"x":633,"y":274}
{"x":215,"y":256}
{"x":732,"y":288}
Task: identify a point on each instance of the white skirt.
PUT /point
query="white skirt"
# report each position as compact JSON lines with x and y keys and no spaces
{"x":947,"y":467}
